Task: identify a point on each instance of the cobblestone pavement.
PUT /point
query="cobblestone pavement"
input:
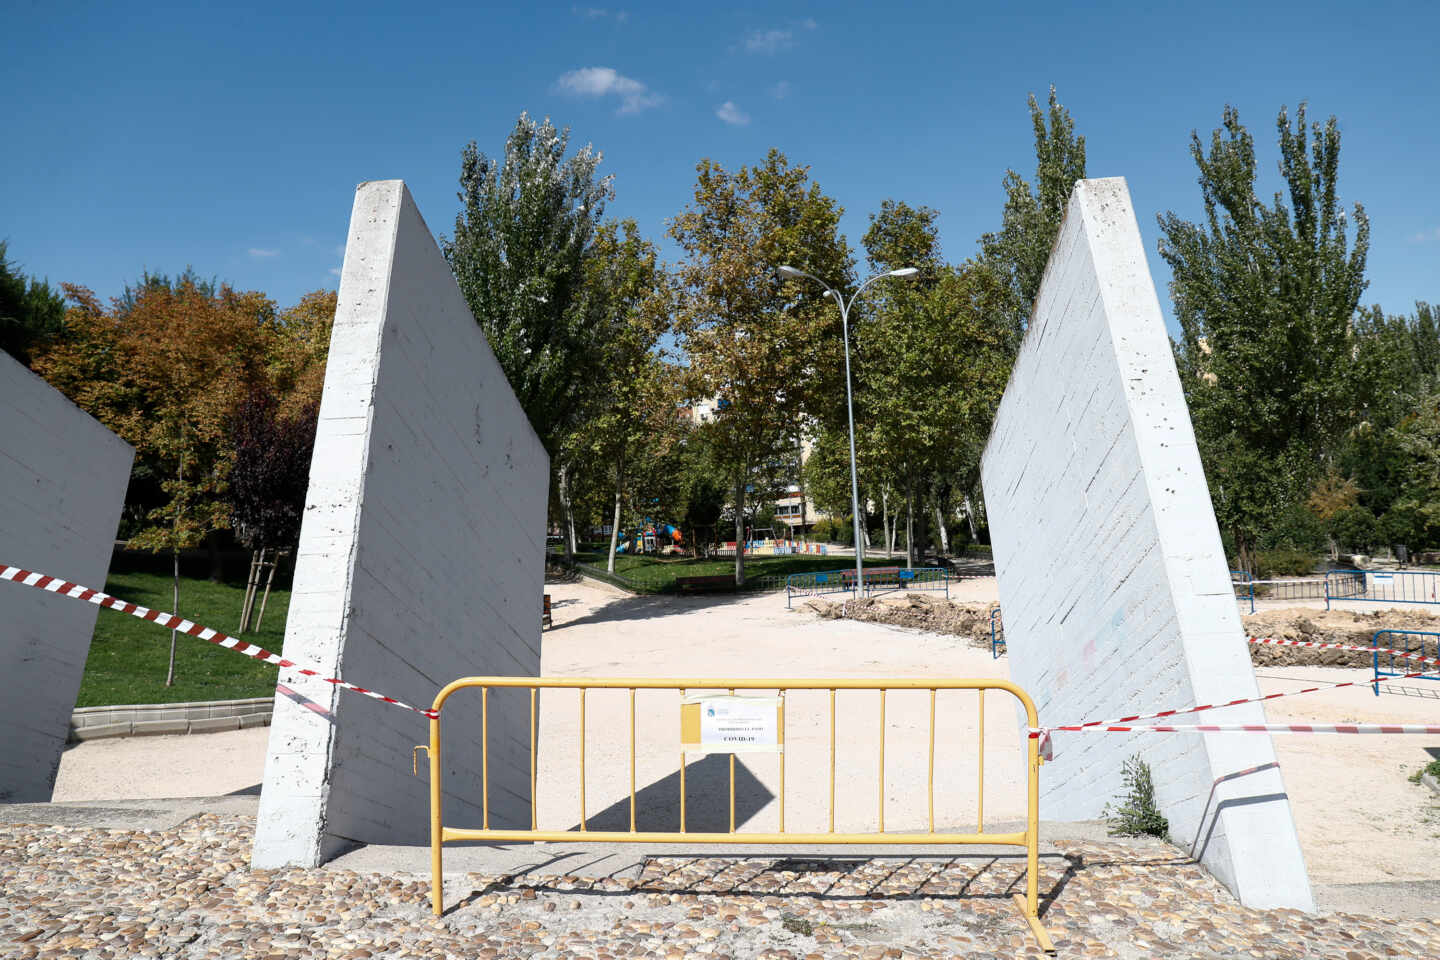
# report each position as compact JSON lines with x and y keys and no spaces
{"x":69,"y":891}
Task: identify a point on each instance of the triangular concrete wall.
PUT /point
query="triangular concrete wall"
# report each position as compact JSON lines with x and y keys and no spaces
{"x":1113,"y":581}
{"x":421,"y":559}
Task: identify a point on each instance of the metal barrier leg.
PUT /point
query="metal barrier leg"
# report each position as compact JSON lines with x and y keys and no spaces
{"x":437,"y":876}
{"x":1029,"y":903}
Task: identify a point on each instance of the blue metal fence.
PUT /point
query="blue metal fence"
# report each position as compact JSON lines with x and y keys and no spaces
{"x":997,"y":633}
{"x":1412,"y":641}
{"x":1383,"y":586}
{"x":877,"y":580}
{"x":898,"y":578}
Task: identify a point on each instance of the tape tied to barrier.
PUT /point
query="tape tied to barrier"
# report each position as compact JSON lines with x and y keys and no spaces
{"x":75,"y":591}
{"x":1127,"y":724}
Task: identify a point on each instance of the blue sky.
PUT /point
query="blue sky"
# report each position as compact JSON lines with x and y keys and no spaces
{"x":155,"y":137}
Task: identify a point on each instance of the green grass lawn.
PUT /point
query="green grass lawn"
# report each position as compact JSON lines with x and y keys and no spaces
{"x":659,"y":574}
{"x":128,"y":656}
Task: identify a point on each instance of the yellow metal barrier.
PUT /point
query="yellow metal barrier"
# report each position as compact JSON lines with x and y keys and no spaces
{"x":689,"y":730}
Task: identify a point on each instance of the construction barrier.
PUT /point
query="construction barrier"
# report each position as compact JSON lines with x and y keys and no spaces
{"x":877,"y":580}
{"x":1381,"y":586}
{"x":748,"y":723}
{"x":997,"y":633}
{"x":1417,"y":645}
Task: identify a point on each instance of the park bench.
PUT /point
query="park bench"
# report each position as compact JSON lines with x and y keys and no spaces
{"x":720,"y":582}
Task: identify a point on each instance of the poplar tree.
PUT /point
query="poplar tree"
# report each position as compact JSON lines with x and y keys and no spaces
{"x":1267,"y":297}
{"x":526,"y":226}
{"x":1020,"y":249}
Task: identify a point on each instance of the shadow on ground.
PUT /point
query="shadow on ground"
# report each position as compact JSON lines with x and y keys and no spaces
{"x":707,"y":793}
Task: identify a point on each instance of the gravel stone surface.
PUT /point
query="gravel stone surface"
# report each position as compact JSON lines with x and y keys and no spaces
{"x":188,"y":892}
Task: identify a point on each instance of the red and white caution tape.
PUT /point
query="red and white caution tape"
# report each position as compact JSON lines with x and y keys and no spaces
{"x":1272,"y":641}
{"x":1252,"y":728}
{"x":74,"y":590}
{"x":1235,"y":703}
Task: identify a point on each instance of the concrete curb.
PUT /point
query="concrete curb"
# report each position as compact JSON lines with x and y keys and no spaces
{"x":155,"y":719}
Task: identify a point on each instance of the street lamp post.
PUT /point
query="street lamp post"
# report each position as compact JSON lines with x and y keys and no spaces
{"x":794,"y":274}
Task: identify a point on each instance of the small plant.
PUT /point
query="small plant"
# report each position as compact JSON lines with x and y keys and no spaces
{"x":1432,"y":768}
{"x":1135,"y":813}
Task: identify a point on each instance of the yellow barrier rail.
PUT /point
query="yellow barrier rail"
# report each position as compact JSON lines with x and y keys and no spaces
{"x":1028,"y":903}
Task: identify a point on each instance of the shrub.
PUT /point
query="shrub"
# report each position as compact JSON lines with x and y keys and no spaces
{"x":1134,"y":813}
{"x":1284,"y":562}
{"x":1354,"y":529}
{"x":1295,"y":526}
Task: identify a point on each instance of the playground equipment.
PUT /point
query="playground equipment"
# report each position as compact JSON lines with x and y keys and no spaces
{"x":646,"y":539}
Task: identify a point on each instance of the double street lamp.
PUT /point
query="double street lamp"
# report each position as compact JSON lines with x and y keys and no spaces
{"x":904,"y":273}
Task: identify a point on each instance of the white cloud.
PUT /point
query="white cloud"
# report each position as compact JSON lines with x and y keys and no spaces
{"x":809,"y":23}
{"x":260,"y":254}
{"x":334,"y":271}
{"x":600,"y":13}
{"x":732,"y":114}
{"x":769,"y":41}
{"x":1425,"y":235}
{"x":605,"y":81}
{"x":781,"y":90}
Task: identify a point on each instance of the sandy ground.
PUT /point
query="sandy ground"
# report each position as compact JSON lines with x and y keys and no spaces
{"x":1360,"y":818}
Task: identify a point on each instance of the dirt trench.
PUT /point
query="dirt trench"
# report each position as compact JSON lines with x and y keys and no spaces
{"x":971,"y":622}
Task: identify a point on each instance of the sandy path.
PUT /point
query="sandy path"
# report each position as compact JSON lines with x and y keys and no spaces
{"x":1359,"y":817}
{"x":154,"y":768}
{"x":599,"y":634}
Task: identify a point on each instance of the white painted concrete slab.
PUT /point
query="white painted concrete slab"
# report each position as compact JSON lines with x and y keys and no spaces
{"x":62,"y":484}
{"x":421,"y":559}
{"x":1112,"y":577}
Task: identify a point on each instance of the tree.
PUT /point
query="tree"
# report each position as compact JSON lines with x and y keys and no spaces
{"x":1417,"y":509}
{"x":935,"y":364}
{"x":1266,"y":297}
{"x":526,"y":227}
{"x":634,"y":414}
{"x":31,"y":314}
{"x":934,"y":356}
{"x":1020,"y":249}
{"x":764,"y":351}
{"x":164,"y":369}
{"x":268,"y":480}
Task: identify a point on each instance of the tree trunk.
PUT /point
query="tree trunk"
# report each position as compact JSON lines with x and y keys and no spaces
{"x":274,"y":562}
{"x":615,"y":519}
{"x":803,"y":513}
{"x":970,"y":519}
{"x":1244,"y":555}
{"x":944,"y":533}
{"x":885,"y":519}
{"x":740,"y":529}
{"x":175,"y":570}
{"x":567,"y":514}
{"x":251,"y":582}
{"x":909,"y":524}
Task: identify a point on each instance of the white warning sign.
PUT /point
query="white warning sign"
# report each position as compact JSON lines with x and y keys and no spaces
{"x":734,"y":724}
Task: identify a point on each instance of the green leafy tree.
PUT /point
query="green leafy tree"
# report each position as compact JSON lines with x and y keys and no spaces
{"x":165,"y":369}
{"x":31,"y":314}
{"x":765,"y":352}
{"x":934,"y":359}
{"x":522,"y":238}
{"x":1020,"y":249}
{"x":1266,"y":297}
{"x":634,"y":417}
{"x":1414,"y":517}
